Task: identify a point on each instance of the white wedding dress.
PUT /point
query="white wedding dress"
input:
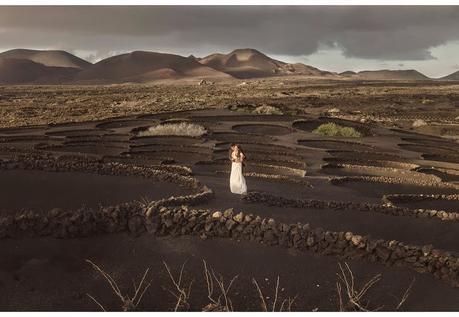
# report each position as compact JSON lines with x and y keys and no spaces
{"x":237,"y":180}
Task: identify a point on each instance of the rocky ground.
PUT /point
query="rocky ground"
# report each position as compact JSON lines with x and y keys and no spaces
{"x":391,"y":102}
{"x":80,"y":183}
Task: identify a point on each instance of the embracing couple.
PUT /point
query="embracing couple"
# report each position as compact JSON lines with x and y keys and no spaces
{"x":237,"y":180}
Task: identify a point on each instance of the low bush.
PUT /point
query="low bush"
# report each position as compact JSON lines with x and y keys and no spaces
{"x":333,"y":129}
{"x":179,"y":129}
{"x":267,"y":110}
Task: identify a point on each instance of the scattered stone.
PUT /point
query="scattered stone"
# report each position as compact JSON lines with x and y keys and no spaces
{"x":356,"y":240}
{"x":418,"y":123}
{"x":239,"y":217}
{"x":217,"y":215}
{"x":55,"y":212}
{"x":228,"y":213}
{"x":333,"y":111}
{"x":348,"y":236}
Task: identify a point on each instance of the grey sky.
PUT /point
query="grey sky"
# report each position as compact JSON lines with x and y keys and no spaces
{"x":333,"y":38}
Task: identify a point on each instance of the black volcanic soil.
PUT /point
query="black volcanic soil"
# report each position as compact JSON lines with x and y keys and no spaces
{"x":72,"y":190}
{"x":52,"y":278}
{"x":44,"y":273}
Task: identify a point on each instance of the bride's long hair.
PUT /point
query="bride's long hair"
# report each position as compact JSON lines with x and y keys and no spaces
{"x":239,"y":148}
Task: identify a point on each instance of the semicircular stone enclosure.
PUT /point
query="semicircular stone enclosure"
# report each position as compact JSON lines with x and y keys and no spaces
{"x":386,"y":200}
{"x":263,"y":129}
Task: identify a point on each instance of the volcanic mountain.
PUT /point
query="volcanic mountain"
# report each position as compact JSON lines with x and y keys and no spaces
{"x":140,"y":66}
{"x":23,"y":66}
{"x":22,"y":71}
{"x":385,"y":74}
{"x":249,"y":63}
{"x":244,"y":63}
{"x":47,"y":58}
{"x":348,"y":73}
{"x":453,"y":76}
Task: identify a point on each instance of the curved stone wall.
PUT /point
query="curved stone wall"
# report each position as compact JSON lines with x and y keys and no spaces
{"x":86,"y":165}
{"x":225,"y":224}
{"x":387,"y":208}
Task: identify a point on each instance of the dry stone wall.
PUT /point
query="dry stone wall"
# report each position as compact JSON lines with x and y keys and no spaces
{"x":387,"y":208}
{"x":393,"y":180}
{"x":64,"y":164}
{"x":163,"y":217}
{"x":347,"y":245}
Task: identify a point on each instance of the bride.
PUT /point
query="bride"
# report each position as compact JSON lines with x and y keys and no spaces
{"x":237,"y":180}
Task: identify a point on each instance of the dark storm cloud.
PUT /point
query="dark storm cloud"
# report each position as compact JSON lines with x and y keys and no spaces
{"x":387,"y":33}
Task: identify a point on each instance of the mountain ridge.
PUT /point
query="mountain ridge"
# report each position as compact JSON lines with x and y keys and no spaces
{"x":26,"y":66}
{"x":386,"y":74}
{"x":53,"y":58}
{"x":452,"y":76}
{"x":143,"y":66}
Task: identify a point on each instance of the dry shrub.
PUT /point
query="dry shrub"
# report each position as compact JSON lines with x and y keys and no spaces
{"x":219,"y":299}
{"x":180,"y":290}
{"x":333,"y":111}
{"x":267,"y":110}
{"x":354,"y":298}
{"x":333,"y":129}
{"x":128,"y":303}
{"x":277,"y":304}
{"x":178,"y":129}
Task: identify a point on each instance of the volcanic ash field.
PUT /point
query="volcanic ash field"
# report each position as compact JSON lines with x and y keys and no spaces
{"x":386,"y":202}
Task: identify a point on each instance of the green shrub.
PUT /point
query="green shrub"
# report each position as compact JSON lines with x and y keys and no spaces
{"x":332,"y":129}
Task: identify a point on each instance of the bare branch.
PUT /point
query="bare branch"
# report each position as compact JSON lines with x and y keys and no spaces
{"x":340,"y":298}
{"x":405,"y":294}
{"x":276,"y":294}
{"x":181,"y":293}
{"x":216,"y":303}
{"x":109,"y":279}
{"x":264,"y":307}
{"x":127,"y":303}
{"x":355,"y":296}
{"x":137,"y":289}
{"x":95,"y":301}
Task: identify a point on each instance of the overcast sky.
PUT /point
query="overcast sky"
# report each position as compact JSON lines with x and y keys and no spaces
{"x":332,"y":38}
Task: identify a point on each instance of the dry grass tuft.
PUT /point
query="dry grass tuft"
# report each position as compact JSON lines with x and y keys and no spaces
{"x":178,"y":129}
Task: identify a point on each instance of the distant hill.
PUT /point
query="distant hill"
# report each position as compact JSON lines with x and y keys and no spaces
{"x":385,"y":74}
{"x":348,"y":73}
{"x":306,"y":70}
{"x":22,"y":71}
{"x":24,"y":66}
{"x":249,"y":63}
{"x":47,"y":58}
{"x":244,"y":63}
{"x":140,"y":66}
{"x":453,"y":76}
